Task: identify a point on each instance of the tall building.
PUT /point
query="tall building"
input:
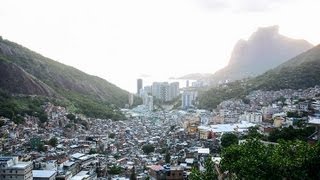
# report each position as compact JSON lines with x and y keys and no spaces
{"x":131,"y":99}
{"x":156,"y":86}
{"x":148,"y":90}
{"x":165,"y":91}
{"x":173,"y":90}
{"x":139,"y":85}
{"x":188,"y":98}
{"x":11,"y":168}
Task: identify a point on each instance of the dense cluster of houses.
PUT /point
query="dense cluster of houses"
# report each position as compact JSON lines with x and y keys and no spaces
{"x":87,"y":148}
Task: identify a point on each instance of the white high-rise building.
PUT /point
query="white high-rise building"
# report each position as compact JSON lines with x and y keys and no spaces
{"x":156,"y":89}
{"x":173,"y":90}
{"x":188,"y":98}
{"x":165,"y":91}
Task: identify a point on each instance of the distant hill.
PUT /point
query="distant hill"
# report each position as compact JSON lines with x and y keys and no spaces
{"x":300,"y":72}
{"x":264,"y":50}
{"x":195,"y":76}
{"x":25,"y":72}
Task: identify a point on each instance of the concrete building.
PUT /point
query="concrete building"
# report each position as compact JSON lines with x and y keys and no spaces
{"x":11,"y":168}
{"x":166,"y":172}
{"x":44,"y":174}
{"x":131,"y":99}
{"x":253,"y":117}
{"x":173,"y":90}
{"x":160,"y":90}
{"x":147,"y":90}
{"x":139,"y":85}
{"x":188,"y":98}
{"x":156,"y":89}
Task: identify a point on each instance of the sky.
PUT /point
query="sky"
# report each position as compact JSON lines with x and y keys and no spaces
{"x":122,"y":40}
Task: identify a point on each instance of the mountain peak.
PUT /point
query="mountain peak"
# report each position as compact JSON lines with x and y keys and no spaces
{"x":269,"y":31}
{"x":264,"y":50}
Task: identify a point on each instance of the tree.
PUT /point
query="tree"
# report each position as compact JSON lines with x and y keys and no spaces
{"x":115,"y":169}
{"x":112,"y":135}
{"x":53,"y":142}
{"x":208,"y":174}
{"x":71,"y":117}
{"x":43,"y":117}
{"x":93,"y":151}
{"x":253,"y":133}
{"x":228,"y":139}
{"x":167,"y":158}
{"x":148,"y":148}
{"x":247,"y":161}
{"x":290,"y":133}
{"x":133,"y":175}
{"x":286,"y":160}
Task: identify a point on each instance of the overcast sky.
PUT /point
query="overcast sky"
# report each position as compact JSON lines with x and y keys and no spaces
{"x":122,"y":40}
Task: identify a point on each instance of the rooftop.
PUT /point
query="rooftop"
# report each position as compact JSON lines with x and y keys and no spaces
{"x":21,"y":165}
{"x":43,"y":173}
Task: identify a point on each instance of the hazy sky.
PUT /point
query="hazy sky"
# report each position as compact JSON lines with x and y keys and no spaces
{"x":122,"y":40}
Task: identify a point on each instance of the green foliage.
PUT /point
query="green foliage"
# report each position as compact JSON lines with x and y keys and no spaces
{"x":253,"y":133}
{"x":94,"y":108}
{"x":43,"y":117}
{"x":15,"y":107}
{"x":133,"y":175}
{"x":80,"y":92}
{"x":70,"y":125}
{"x":53,"y":142}
{"x":287,"y":160}
{"x":115,"y":170}
{"x":112,"y":135}
{"x":148,"y":148}
{"x":211,"y":98}
{"x":2,"y":123}
{"x":290,"y":133}
{"x":208,"y":174}
{"x":167,"y":158}
{"x":71,"y":117}
{"x":247,"y":161}
{"x":229,"y":139}
{"x":92,"y":151}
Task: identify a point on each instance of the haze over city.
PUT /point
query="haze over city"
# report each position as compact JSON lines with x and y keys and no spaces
{"x":123,"y":40}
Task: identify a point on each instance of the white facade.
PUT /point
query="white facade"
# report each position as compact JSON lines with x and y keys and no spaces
{"x":165,"y":91}
{"x":173,"y":90}
{"x":11,"y":168}
{"x":188,"y":98}
{"x":253,"y":117}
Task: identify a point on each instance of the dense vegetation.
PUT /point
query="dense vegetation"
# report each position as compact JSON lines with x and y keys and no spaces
{"x":303,"y":74}
{"x":287,"y":160}
{"x":290,"y":133}
{"x":82,"y":93}
{"x":213,"y":97}
{"x":255,"y":160}
{"x":15,"y":108}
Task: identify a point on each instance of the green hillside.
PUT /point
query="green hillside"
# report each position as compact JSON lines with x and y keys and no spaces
{"x":38,"y":75}
{"x":301,"y":72}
